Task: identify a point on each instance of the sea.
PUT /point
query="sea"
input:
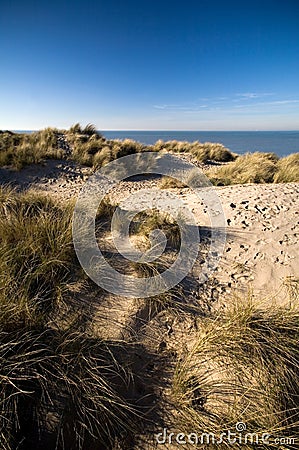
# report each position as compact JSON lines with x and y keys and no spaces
{"x":282,"y":143}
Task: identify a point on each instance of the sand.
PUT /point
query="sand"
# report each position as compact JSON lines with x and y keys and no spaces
{"x":261,"y":251}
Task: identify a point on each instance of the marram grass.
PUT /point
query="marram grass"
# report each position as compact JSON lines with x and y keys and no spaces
{"x":59,"y":386}
{"x":242,"y":367}
{"x":257,"y":168}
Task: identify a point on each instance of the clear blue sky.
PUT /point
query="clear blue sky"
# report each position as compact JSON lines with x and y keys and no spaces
{"x":166,"y":65}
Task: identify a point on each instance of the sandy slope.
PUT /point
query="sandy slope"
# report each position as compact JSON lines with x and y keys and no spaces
{"x":262,"y":237}
{"x":261,"y":251}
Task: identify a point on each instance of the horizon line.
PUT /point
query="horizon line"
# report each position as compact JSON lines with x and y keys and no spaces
{"x":158,"y":130}
{"x":197,"y":131}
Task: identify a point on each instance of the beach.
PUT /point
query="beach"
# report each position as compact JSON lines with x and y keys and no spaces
{"x":261,"y":249}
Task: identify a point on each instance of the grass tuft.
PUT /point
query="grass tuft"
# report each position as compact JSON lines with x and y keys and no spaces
{"x":148,"y":221}
{"x":250,"y":168}
{"x":58,"y":390}
{"x":242,"y":367}
{"x":20,"y":150}
{"x":287,"y":169}
{"x":59,"y":385}
{"x":37,"y":256}
{"x":167,"y":182}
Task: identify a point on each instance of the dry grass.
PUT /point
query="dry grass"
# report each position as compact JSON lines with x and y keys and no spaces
{"x":212,"y":152}
{"x":193,"y":179}
{"x":287,"y":169}
{"x":126,"y":147}
{"x":250,"y":168}
{"x":102,"y":157}
{"x":57,"y":391}
{"x":85,"y":146}
{"x":175,"y":146}
{"x":202,"y":152}
{"x":59,"y":385}
{"x":258,"y":168}
{"x":243,"y":367}
{"x":19,"y":150}
{"x":291,"y":283}
{"x":146,"y":222}
{"x":95,"y":151}
{"x":170,"y":183}
{"x":37,"y":255}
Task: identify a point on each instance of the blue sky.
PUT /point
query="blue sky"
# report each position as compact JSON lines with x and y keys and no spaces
{"x":160,"y":65}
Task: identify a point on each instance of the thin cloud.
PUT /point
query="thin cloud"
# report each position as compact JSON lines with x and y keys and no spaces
{"x":250,"y":95}
{"x":170,"y":107}
{"x":283,"y":102}
{"x":273,"y":103}
{"x":179,"y":107}
{"x":231,"y":104}
{"x":160,"y":106}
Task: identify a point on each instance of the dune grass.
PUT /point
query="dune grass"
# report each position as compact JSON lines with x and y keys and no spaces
{"x":250,"y":168}
{"x":57,"y":391}
{"x":148,"y":221}
{"x":212,"y":152}
{"x":90,"y":148}
{"x":102,"y":157}
{"x":242,"y":367}
{"x":287,"y":169}
{"x":59,"y":385}
{"x":192,"y":179}
{"x":38,"y":259}
{"x":20,"y":150}
{"x":202,"y":152}
{"x":88,"y":130}
{"x":167,"y":182}
{"x":37,"y":254}
{"x":257,"y":168}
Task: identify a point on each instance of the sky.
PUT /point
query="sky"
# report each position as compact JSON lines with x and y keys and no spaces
{"x":150,"y":65}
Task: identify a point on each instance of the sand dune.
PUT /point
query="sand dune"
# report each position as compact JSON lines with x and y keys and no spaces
{"x":261,"y":251}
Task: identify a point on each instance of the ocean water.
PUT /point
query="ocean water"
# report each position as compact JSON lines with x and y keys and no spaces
{"x":280,"y":142}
